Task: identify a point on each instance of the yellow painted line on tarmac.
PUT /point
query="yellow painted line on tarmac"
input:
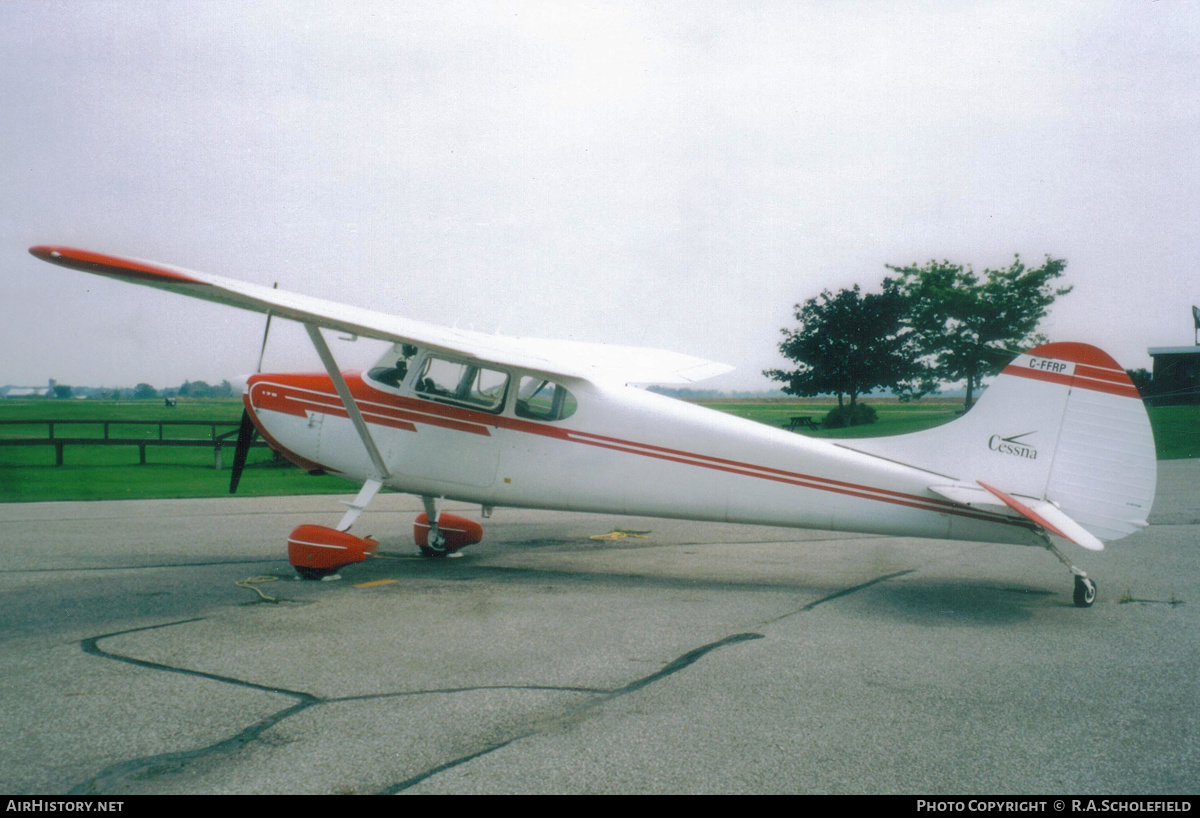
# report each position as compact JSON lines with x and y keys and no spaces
{"x":376,"y":582}
{"x":620,"y":534}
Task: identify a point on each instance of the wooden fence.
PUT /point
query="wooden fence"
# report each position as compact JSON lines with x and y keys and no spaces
{"x":59,"y":442}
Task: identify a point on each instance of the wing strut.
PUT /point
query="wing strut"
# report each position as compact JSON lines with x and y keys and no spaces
{"x":343,"y":391}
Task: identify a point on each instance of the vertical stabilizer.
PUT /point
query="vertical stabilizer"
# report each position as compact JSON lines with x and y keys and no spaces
{"x":1062,"y":423}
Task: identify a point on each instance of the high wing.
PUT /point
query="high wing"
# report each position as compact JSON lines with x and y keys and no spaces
{"x":599,"y":362}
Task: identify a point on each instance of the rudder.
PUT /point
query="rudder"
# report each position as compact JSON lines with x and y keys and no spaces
{"x":1105,"y":468}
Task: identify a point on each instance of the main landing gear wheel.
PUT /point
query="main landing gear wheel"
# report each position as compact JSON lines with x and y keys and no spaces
{"x":435,"y":549}
{"x":447,"y":535}
{"x":314,"y":573}
{"x":1085,"y":592}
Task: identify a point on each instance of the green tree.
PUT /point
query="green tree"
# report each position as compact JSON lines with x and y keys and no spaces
{"x":1142,"y":379}
{"x":847,"y":345}
{"x":195,"y":389}
{"x":966,"y":327}
{"x":144,"y":391}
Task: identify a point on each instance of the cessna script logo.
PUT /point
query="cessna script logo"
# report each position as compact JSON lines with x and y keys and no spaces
{"x":1013,"y":445}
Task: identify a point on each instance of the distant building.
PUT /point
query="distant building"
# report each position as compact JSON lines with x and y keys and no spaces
{"x":1176,"y":376}
{"x":1177,"y":371}
{"x":25,"y":391}
{"x":46,"y":391}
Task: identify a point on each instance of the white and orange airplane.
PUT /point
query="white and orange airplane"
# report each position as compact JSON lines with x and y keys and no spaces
{"x":1058,"y":446}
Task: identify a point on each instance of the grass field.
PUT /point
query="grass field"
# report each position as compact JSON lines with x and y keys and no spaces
{"x":29,"y":473}
{"x":1176,"y":431}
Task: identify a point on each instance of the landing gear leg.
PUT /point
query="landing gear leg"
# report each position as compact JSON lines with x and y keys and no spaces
{"x":359,"y":504}
{"x":1085,"y":587}
{"x":434,"y":546}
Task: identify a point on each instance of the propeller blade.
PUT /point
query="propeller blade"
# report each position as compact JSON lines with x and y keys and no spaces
{"x":246,"y":434}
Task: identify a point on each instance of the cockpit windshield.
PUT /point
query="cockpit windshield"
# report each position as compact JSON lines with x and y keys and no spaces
{"x":392,"y":373}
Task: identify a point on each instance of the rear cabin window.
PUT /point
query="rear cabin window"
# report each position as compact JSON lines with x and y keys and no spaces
{"x":463,"y":383}
{"x":540,"y":399}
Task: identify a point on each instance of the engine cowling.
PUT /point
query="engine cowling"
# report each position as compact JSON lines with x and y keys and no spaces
{"x":459,"y":532}
{"x":316,"y":551}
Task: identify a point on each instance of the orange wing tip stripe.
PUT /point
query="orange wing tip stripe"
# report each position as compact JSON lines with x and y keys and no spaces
{"x":101,"y":264}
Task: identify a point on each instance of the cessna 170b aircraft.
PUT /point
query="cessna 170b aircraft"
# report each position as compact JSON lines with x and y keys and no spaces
{"x":1059,"y":445}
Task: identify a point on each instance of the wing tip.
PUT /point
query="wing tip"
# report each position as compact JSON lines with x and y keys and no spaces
{"x":102,"y":264}
{"x":45,"y":252}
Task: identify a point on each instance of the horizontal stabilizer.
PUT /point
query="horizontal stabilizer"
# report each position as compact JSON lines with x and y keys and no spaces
{"x":1049,"y":517}
{"x":970,"y":496}
{"x":1045,"y":514}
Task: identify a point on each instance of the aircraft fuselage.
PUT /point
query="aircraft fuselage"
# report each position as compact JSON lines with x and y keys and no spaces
{"x":622,"y":451}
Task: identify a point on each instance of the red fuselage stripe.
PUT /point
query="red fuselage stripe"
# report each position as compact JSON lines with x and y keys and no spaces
{"x":279,"y":396}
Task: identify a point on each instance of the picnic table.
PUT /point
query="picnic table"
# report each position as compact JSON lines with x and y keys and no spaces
{"x":805,"y":421}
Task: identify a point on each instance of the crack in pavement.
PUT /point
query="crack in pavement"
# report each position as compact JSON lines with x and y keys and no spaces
{"x":114,"y":775}
{"x":844,"y":592}
{"x":607,"y":696}
{"x":674,"y":667}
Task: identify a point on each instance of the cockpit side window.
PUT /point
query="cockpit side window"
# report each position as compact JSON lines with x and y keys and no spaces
{"x":461,"y":382}
{"x":540,"y":399}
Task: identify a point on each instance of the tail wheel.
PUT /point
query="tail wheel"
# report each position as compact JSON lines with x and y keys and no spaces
{"x":1085,"y":592}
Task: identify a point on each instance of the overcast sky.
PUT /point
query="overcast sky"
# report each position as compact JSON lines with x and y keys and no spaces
{"x":668,"y":174}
